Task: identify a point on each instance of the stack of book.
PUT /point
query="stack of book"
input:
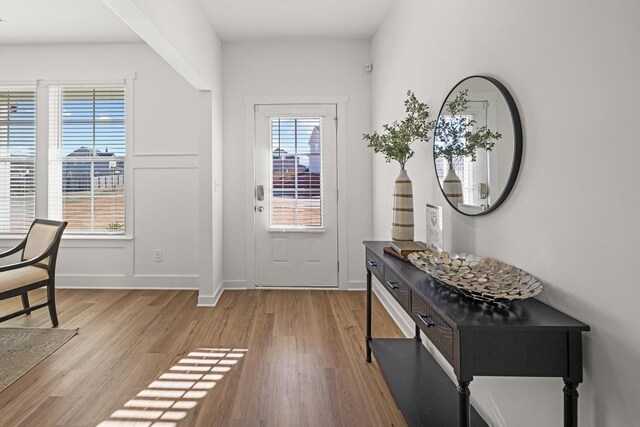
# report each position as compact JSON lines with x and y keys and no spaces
{"x":400,"y":250}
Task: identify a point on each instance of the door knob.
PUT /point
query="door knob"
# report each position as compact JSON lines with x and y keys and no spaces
{"x":260,"y":208}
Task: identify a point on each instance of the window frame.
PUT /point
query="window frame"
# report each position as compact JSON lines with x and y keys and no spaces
{"x":42,"y":151}
{"x":18,"y":86}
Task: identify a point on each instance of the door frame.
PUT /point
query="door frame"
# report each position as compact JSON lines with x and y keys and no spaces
{"x":340,"y":101}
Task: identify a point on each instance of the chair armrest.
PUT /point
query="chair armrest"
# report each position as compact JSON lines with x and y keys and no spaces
{"x":15,"y":249}
{"x":31,"y":261}
{"x":17,"y":265}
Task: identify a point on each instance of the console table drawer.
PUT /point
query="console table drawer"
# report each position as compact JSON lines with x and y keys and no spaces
{"x":399,"y":290}
{"x":375,"y":265}
{"x":436,"y":329}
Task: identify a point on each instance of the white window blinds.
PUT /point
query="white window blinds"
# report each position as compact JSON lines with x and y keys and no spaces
{"x":17,"y":158}
{"x":296,"y":165}
{"x":87,"y":158}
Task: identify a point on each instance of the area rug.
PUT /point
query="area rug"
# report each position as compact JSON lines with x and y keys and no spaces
{"x":23,"y":348}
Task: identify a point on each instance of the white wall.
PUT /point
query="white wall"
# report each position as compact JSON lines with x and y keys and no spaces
{"x":170,"y":147}
{"x":296,"y":69}
{"x":571,"y":220}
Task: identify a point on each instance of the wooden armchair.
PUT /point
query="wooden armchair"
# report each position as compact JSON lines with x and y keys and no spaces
{"x":36,"y":268}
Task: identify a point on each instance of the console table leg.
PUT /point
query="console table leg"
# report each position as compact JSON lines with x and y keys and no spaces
{"x":463,"y":404}
{"x":417,"y":335}
{"x":570,"y":403}
{"x":368,"y":337}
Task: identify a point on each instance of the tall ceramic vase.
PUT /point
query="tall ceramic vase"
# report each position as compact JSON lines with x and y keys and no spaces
{"x":452,"y":187}
{"x":402,"y":227}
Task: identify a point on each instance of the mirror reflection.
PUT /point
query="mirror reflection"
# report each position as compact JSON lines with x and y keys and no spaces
{"x":477,"y":145}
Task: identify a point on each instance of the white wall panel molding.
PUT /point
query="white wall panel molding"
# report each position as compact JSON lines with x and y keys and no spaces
{"x":165,"y":154}
{"x":165,"y":162}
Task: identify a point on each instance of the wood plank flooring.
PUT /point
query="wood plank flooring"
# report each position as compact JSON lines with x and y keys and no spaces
{"x":304,"y":364}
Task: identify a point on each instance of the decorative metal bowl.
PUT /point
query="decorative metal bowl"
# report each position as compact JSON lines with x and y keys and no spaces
{"x":484,"y":279}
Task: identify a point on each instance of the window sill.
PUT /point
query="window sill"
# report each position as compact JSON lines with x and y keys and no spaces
{"x":12,"y":236}
{"x":69,"y":237}
{"x":94,"y":237}
{"x":296,"y":230}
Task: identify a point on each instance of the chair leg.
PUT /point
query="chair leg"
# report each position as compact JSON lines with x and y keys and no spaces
{"x":51,"y":296}
{"x":25,"y":303}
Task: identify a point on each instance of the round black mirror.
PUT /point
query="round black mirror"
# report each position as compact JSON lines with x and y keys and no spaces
{"x":477,"y":146}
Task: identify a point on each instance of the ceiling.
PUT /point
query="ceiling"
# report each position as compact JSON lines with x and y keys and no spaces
{"x":236,"y":20}
{"x":90,"y":21}
{"x":61,"y":21}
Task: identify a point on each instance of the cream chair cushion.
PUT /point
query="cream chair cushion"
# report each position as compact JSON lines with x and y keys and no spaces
{"x":21,"y":277}
{"x":40,"y":238}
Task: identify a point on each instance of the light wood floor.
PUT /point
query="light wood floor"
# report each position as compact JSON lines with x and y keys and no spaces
{"x":304,"y":364}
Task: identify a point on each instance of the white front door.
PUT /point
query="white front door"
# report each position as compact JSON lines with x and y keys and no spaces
{"x":296,"y":217}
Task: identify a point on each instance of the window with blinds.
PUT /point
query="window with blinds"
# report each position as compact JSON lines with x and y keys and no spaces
{"x":87,"y":158}
{"x":17,"y":158}
{"x":296,"y":165}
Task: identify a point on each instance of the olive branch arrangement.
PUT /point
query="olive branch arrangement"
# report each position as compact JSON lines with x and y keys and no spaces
{"x":395,"y":141}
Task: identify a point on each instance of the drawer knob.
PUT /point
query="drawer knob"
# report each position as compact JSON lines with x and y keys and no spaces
{"x":427,"y":320}
{"x":393,"y":285}
{"x":372,"y":263}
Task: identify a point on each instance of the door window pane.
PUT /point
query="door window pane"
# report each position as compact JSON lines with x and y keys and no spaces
{"x":296,"y":165}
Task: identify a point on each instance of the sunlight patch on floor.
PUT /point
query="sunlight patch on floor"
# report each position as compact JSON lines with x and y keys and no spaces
{"x":165,"y":402}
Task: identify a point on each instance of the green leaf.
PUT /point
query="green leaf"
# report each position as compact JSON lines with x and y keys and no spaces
{"x":396,"y":139}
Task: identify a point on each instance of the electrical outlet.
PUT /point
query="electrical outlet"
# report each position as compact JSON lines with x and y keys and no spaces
{"x":158,"y":255}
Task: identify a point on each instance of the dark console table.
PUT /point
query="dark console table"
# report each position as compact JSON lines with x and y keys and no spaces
{"x":524,"y":338}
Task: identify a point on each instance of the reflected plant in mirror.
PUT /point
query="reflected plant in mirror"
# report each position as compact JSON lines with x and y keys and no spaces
{"x":458,"y":137}
{"x":456,"y":134}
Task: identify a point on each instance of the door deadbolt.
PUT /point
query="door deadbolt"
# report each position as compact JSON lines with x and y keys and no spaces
{"x":260,"y":193}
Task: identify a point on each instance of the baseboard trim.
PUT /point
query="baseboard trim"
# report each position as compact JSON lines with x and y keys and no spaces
{"x":352,"y":285}
{"x":98,"y":281}
{"x":297,"y":288}
{"x":127,"y":288}
{"x":236,"y":285}
{"x":211,"y":300}
{"x":356,"y":285}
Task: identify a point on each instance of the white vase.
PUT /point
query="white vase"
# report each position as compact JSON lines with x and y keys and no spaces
{"x":452,"y":187}
{"x":402,"y":226}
